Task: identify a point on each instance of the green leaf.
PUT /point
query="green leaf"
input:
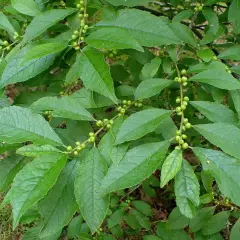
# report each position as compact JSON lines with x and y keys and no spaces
{"x":167,"y":128}
{"x":235,"y":232}
{"x":141,"y":123}
{"x":202,"y":215}
{"x":143,"y":220}
{"x":187,"y":187}
{"x":27,"y":7}
{"x":129,"y":3}
{"x":9,"y":167}
{"x":151,"y":237}
{"x":59,"y":205}
{"x":44,"y":21}
{"x":95,"y":73}
{"x":215,"y":112}
{"x":213,"y":23}
{"x":113,"y":153}
{"x":36,"y":151}
{"x":112,"y":38}
{"x":233,"y":12}
{"x":206,"y":54}
{"x":236,"y":100}
{"x":176,"y":220}
{"x":64,"y":107}
{"x":222,"y":135}
{"x":185,"y":14}
{"x":74,"y":227}
{"x":150,"y":69}
{"x":184,"y":33}
{"x":186,"y":206}
{"x":43,"y":50}
{"x":5,"y":24}
{"x":171,"y":166}
{"x":216,"y":223}
{"x":138,"y":164}
{"x":147,"y":29}
{"x":232,"y":53}
{"x":21,"y":125}
{"x":92,"y":204}
{"x":143,"y":207}
{"x":116,"y":218}
{"x":217,"y":78}
{"x":15,"y":71}
{"x":151,"y":87}
{"x":224,"y":169}
{"x":73,"y":73}
{"x":33,"y":182}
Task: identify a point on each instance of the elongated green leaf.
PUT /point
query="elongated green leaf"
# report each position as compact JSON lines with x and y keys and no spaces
{"x":235,"y":232}
{"x":236,"y":100}
{"x":65,"y":107}
{"x":113,"y":38}
{"x":33,"y":182}
{"x":20,"y":125}
{"x":150,"y":69}
{"x":138,"y":164}
{"x":184,"y":33}
{"x":92,"y":204}
{"x":95,"y":73}
{"x":44,"y":21}
{"x":73,"y":73}
{"x":171,"y":166}
{"x":216,"y":112}
{"x":140,"y":124}
{"x":27,"y":7}
{"x":147,"y":29}
{"x":216,"y":223}
{"x":186,"y":207}
{"x":36,"y":151}
{"x":9,"y":167}
{"x":206,"y":54}
{"x":128,"y":3}
{"x":43,"y":50}
{"x":151,"y":87}
{"x":16,"y":72}
{"x":233,"y":13}
{"x":232,"y":53}
{"x":58,"y":207}
{"x":185,"y":14}
{"x":187,"y":186}
{"x":222,"y":135}
{"x":113,"y":153}
{"x":224,"y":169}
{"x":217,"y":78}
{"x":202,"y":215}
{"x":5,"y":24}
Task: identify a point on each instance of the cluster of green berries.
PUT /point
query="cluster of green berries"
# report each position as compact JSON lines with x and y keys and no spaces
{"x":48,"y":114}
{"x":199,"y":7}
{"x":62,"y":3}
{"x":5,"y":46}
{"x":126,"y":104}
{"x":183,"y":79}
{"x":105,"y":123}
{"x":15,"y":36}
{"x":215,"y":58}
{"x":183,"y":105}
{"x":112,"y":54}
{"x":181,"y":137}
{"x":228,"y":70}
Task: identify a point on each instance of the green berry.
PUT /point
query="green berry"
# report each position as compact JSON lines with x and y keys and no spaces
{"x":184,"y":79}
{"x":229,"y":71}
{"x":81,"y":2}
{"x":177,"y":138}
{"x":77,"y":48}
{"x":179,"y":80}
{"x":74,"y":36}
{"x":184,"y":136}
{"x":122,"y":111}
{"x":181,"y":141}
{"x":200,"y":8}
{"x":124,"y":101}
{"x":86,"y":27}
{"x":99,"y":123}
{"x":78,"y":143}
{"x":79,"y":148}
{"x":105,"y":121}
{"x":178,"y":109}
{"x":185,"y":120}
{"x":185,"y":84}
{"x":125,"y":106}
{"x":82,"y":9}
{"x":109,"y":126}
{"x":91,"y":139}
{"x":185,"y":146}
{"x":179,"y":113}
{"x":5,"y":43}
{"x":75,"y":32}
{"x":86,"y":15}
{"x":178,"y":148}
{"x":178,"y":100}
{"x":140,"y":105}
{"x":75,"y":153}
{"x":188,"y":125}
{"x":215,"y":58}
{"x":84,"y":31}
{"x":80,"y":15}
{"x":110,"y":55}
{"x":91,"y":134}
{"x":185,"y":103}
{"x":83,"y":145}
{"x":46,"y":112}
{"x":82,"y":38}
{"x":178,"y":132}
{"x":78,"y":6}
{"x":183,"y":107}
{"x":176,"y":79}
{"x":111,"y":122}
{"x":186,"y":99}
{"x":184,"y":72}
{"x":69,"y":148}
{"x":129,"y":103}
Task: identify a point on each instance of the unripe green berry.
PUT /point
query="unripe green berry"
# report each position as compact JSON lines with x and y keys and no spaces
{"x":185,"y":146}
{"x":83,"y":145}
{"x":91,"y":134}
{"x":110,"y":55}
{"x":178,"y":109}
{"x":200,"y":8}
{"x":99,"y":123}
{"x":77,"y":48}
{"x":185,"y":120}
{"x":111,"y":122}
{"x":140,"y":105}
{"x":124,"y":101}
{"x":184,"y":79}
{"x":184,"y":72}
{"x":79,"y":148}
{"x":86,"y":15}
{"x":129,"y":103}
{"x":82,"y":38}
{"x":81,"y":2}
{"x":178,"y":100}
{"x":80,"y":15}
{"x":186,"y":99}
{"x":185,"y":84}
{"x":176,"y":79}
{"x":119,"y":115}
{"x":75,"y":153}
{"x":46,"y":112}
{"x":78,"y":143}
{"x":84,"y":31}
{"x":185,"y":103}
{"x":229,"y":71}
{"x":178,"y":132}
{"x":74,"y":36}
{"x":122,"y":111}
{"x":82,"y":9}
{"x":183,"y":128}
{"x":184,"y":136}
{"x":215,"y":58}
{"x":109,"y":126}
{"x":75,"y":32}
{"x":183,"y":107}
{"x":75,"y":44}
{"x":178,"y":138}
{"x":181,"y":141}
{"x":179,"y":113}
{"x":179,"y":80}
{"x":105,"y":121}
{"x":5,"y":43}
{"x":91,"y":139}
{"x":78,"y":6}
{"x":86,"y":27}
{"x":178,"y":148}
{"x":188,"y":125}
{"x":69,"y":148}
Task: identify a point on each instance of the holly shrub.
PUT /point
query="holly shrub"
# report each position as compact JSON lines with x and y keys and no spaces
{"x":119,"y":119}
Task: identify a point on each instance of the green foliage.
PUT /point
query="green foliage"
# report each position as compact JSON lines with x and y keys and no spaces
{"x":120,"y":119}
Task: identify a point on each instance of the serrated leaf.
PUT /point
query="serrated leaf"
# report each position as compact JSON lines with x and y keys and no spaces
{"x":5,"y":24}
{"x":44,"y":21}
{"x":186,"y":207}
{"x":140,"y":124}
{"x":150,"y":69}
{"x":64,"y":107}
{"x":186,"y":188}
{"x":43,"y":50}
{"x":147,"y":29}
{"x":128,"y":3}
{"x":33,"y":182}
{"x":27,"y":7}
{"x":59,"y":205}
{"x":232,"y":53}
{"x":224,"y":169}
{"x":171,"y":166}
{"x":36,"y":151}
{"x":95,"y":73}
{"x":9,"y":167}
{"x":113,"y":38}
{"x":151,"y":87}
{"x":216,"y":223}
{"x":217,"y":78}
{"x":138,"y":164}
{"x":215,"y":112}
{"x":202,"y":215}
{"x":222,"y":135}
{"x":184,"y":33}
{"x":235,"y":232}
{"x":92,"y":204}
{"x":20,"y":125}
{"x":16,"y":72}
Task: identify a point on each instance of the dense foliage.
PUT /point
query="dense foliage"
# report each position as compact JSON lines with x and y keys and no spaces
{"x":119,"y":119}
